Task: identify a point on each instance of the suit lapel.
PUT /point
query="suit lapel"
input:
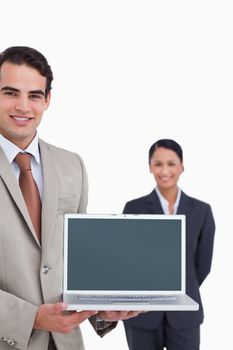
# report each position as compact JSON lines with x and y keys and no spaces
{"x":11,"y":183}
{"x":153,"y":203}
{"x":185,"y":204}
{"x":50,"y":192}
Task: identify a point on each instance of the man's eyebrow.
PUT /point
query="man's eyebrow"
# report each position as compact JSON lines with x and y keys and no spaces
{"x":9,"y":88}
{"x":37,"y":92}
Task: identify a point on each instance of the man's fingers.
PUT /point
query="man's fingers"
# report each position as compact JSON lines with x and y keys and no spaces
{"x":53,"y":309}
{"x":133,"y":313}
{"x":58,"y":308}
{"x":80,"y":316}
{"x":117,"y":315}
{"x":50,"y":317}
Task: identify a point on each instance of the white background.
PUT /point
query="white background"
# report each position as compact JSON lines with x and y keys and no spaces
{"x":126,"y":74}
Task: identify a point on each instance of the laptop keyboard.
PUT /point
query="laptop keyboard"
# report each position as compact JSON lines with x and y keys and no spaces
{"x":124,"y":298}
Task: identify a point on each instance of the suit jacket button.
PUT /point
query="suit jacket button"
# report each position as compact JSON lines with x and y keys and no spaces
{"x":45,"y":269}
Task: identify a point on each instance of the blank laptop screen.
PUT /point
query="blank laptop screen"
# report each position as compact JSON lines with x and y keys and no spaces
{"x":124,"y":254}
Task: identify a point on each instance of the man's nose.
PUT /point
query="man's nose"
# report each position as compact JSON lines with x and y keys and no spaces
{"x":22,"y":104}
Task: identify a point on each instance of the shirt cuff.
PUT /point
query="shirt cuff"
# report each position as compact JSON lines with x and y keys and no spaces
{"x":102,"y":327}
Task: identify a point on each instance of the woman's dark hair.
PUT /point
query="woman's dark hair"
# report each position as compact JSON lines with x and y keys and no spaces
{"x":32,"y":58}
{"x":169,"y":144}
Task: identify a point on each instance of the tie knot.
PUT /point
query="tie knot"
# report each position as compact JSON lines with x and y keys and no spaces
{"x":23,"y":160}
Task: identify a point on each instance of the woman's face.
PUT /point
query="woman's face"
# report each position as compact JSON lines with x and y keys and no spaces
{"x":166,"y":167}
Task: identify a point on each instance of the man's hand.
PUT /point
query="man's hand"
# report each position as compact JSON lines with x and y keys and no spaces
{"x":111,"y":316}
{"x":50,"y":318}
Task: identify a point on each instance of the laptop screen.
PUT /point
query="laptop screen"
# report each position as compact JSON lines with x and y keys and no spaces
{"x":124,"y":252}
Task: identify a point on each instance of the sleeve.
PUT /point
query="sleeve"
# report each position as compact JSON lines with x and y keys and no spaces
{"x":16,"y":318}
{"x":84,"y":194}
{"x":205,"y":247}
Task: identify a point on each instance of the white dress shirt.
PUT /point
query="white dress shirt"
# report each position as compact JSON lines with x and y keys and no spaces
{"x":164,"y":203}
{"x":11,"y":151}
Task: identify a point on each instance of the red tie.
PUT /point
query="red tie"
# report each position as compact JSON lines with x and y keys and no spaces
{"x":29,"y":190}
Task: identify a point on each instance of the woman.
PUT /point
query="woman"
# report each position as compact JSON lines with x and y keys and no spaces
{"x":175,"y":330}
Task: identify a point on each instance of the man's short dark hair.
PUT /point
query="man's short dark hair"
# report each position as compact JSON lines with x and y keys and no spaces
{"x":30,"y":57}
{"x":169,"y":144}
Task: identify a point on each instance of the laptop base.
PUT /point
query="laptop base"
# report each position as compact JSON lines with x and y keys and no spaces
{"x":181,"y":302}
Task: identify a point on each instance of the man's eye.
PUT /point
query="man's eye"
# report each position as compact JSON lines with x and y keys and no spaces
{"x":35,"y":97}
{"x":10,"y":93}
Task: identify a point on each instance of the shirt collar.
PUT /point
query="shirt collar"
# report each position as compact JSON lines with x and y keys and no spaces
{"x":164,"y":202}
{"x":11,"y":150}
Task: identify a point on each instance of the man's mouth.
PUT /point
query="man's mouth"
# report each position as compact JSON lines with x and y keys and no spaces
{"x":21,"y":119}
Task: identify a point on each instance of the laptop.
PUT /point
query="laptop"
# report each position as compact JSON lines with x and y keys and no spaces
{"x":125,"y":262}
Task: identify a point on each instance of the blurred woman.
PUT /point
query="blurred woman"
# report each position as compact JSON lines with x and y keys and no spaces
{"x":175,"y":330}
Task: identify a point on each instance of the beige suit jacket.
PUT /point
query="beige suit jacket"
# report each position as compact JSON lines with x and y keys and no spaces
{"x":30,"y":273}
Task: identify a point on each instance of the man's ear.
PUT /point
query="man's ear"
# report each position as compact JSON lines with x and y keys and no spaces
{"x":47,"y":100}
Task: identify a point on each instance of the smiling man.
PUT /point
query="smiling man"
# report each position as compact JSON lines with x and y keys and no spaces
{"x":39,"y":183}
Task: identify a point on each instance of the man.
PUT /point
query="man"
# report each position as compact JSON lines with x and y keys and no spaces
{"x":39,"y":183}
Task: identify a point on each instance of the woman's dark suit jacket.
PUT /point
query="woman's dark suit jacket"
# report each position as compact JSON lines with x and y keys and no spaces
{"x":200,"y":228}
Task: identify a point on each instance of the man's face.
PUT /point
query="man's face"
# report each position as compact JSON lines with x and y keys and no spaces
{"x":22,"y":102}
